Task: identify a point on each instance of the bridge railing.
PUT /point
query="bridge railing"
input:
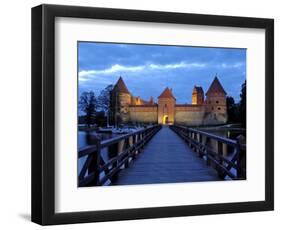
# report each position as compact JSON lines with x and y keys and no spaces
{"x":121,"y":150}
{"x":214,"y":149}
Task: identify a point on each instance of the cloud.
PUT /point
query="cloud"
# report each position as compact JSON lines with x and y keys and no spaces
{"x":231,"y":66}
{"x":84,"y":75}
{"x":113,"y":69}
{"x":148,"y":69}
{"x":178,"y":65}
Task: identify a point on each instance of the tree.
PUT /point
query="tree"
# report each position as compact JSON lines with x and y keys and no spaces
{"x":115,"y":107}
{"x":231,"y":109}
{"x":243,"y":104}
{"x":104,"y":100}
{"x":88,"y":104}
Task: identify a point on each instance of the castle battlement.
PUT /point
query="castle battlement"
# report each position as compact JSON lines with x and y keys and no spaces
{"x":204,"y":110}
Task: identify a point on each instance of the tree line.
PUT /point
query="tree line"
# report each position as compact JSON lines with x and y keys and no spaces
{"x":95,"y":108}
{"x":237,"y":111}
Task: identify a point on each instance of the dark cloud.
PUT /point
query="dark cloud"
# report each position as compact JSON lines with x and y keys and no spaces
{"x":148,"y":69}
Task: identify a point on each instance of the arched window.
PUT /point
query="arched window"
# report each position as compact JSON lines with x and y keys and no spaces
{"x":217,"y":102}
{"x":219,"y":108}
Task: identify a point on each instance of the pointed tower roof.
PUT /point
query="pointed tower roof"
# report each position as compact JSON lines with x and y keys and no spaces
{"x":151,"y":100}
{"x":120,"y":85}
{"x":216,"y":87}
{"x":167,"y":93}
{"x":197,"y":89}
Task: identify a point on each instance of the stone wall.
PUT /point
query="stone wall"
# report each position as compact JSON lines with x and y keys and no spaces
{"x":143,"y":114}
{"x":191,"y":115}
{"x":215,"y":118}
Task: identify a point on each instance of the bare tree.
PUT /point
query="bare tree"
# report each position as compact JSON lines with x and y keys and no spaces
{"x":243,"y":104}
{"x":88,"y":104}
{"x":104,"y":100}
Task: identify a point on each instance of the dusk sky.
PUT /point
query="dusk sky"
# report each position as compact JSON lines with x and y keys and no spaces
{"x":148,"y":69}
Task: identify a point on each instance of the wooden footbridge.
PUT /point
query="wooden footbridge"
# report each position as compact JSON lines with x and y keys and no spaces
{"x":163,"y":154}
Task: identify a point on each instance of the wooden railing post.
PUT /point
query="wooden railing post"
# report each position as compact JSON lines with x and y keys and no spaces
{"x":121,"y":148}
{"x":220,"y":153}
{"x":208,"y":161}
{"x":184,"y":134}
{"x":193,"y":138}
{"x":241,"y":160}
{"x":200,"y":141}
{"x":126,"y":146}
{"x":113,"y":152}
{"x":141,"y":138}
{"x":95,"y":163}
{"x":136,"y":139}
{"x":131,"y":143}
{"x":189,"y":137}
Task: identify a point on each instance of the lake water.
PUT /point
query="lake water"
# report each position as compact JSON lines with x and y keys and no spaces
{"x":88,"y":138}
{"x":228,"y":133}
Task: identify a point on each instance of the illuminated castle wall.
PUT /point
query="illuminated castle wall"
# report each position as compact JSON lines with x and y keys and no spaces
{"x":209,"y":110}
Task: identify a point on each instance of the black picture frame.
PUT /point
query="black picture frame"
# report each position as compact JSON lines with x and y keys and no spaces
{"x":43,"y":114}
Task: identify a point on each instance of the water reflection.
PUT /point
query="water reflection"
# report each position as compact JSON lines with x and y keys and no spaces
{"x":228,"y":133}
{"x":89,"y":138}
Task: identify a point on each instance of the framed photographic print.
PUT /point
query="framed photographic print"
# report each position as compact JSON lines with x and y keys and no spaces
{"x":142,"y":114}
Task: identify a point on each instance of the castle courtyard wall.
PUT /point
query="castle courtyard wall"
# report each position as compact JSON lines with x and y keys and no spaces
{"x":143,"y":114}
{"x":191,"y":115}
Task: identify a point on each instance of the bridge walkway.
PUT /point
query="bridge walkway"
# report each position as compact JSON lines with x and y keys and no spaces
{"x":166,"y":159}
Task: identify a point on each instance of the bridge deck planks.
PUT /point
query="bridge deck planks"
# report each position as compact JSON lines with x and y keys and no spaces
{"x":166,"y":159}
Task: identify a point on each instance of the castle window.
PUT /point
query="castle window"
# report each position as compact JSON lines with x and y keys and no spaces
{"x":217,"y":102}
{"x":219,"y":108}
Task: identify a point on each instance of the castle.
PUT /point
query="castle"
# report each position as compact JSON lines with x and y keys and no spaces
{"x":209,"y":110}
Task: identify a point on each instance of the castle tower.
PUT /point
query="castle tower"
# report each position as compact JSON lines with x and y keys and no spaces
{"x":166,"y":107}
{"x":138,"y":100}
{"x":120,"y":99}
{"x":216,"y":103}
{"x":197,"y":95}
{"x":151,"y":101}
